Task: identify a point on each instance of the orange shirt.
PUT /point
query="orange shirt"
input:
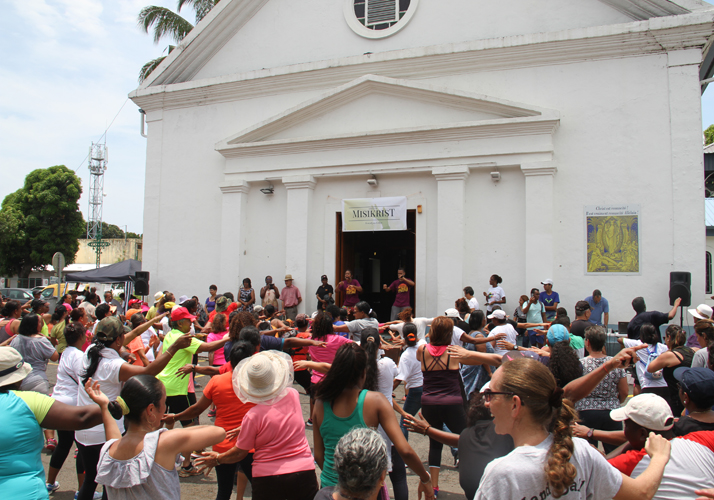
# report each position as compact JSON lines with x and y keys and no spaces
{"x":136,"y":345}
{"x":301,"y":353}
{"x":229,"y":409}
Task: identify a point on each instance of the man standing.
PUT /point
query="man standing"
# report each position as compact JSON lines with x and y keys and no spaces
{"x":642,"y":316}
{"x":351,"y":289}
{"x":598,"y":306}
{"x":89,"y":305}
{"x":324,"y":294}
{"x":550,"y":299}
{"x":403,"y":287}
{"x":269,"y":294}
{"x":582,"y":319}
{"x":109,"y":299}
{"x":291,"y":298}
{"x":535,"y":313}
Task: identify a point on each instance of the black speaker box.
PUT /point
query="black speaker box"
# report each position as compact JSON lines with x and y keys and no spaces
{"x":680,"y":287}
{"x":141,"y":283}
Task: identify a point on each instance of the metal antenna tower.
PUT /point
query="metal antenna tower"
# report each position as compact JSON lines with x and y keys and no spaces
{"x":97,"y":167}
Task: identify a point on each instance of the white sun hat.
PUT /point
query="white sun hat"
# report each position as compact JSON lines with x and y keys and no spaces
{"x":702,"y":311}
{"x":263,"y":377}
{"x":12,"y":367}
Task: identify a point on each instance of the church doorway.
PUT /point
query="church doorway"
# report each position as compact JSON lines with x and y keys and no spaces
{"x":373,"y":258}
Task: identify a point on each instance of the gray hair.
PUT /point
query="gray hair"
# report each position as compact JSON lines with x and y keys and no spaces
{"x":360,"y":461}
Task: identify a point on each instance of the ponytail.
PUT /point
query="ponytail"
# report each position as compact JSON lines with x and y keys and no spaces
{"x":559,"y":472}
{"x":94,"y":355}
{"x":348,"y":367}
{"x":370,"y":342}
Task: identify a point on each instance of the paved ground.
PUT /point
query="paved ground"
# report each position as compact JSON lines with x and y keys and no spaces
{"x":204,"y":488}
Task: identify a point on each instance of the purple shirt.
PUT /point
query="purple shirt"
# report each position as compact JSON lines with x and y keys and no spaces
{"x":402,"y":289}
{"x":350,"y":289}
{"x":290,"y":295}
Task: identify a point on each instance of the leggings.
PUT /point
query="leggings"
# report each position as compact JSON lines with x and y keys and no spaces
{"x":64,"y":445}
{"x":226,"y":476}
{"x":90,"y":459}
{"x":412,"y":405}
{"x":398,"y":476}
{"x":454,"y":416}
{"x":296,"y":486}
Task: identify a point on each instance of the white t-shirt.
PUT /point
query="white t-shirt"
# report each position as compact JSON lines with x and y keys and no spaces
{"x":511,"y":335}
{"x":421,"y":324}
{"x":355,"y":327}
{"x":409,"y":368}
{"x":473,"y":303}
{"x":107,"y":375}
{"x":641,"y":365}
{"x":69,"y":373}
{"x":385,"y":383}
{"x":689,"y":468}
{"x":520,"y":474}
{"x":494,"y":293}
{"x":456,"y":337}
{"x":88,"y":309}
{"x":146,"y":338}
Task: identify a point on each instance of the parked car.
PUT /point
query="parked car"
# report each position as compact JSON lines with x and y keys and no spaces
{"x":22,"y":295}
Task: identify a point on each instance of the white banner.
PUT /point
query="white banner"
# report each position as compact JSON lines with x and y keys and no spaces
{"x":374,"y":214}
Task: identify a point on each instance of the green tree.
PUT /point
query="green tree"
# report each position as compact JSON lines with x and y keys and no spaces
{"x":167,"y":23}
{"x":40,"y":219}
{"x":709,"y":135}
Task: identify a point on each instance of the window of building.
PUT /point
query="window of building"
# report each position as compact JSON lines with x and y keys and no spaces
{"x":28,"y":282}
{"x":378,"y":18}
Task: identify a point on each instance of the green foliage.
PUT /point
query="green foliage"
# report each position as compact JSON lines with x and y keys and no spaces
{"x":110,"y":231}
{"x":40,"y":219}
{"x":709,"y":135}
{"x":147,"y":68}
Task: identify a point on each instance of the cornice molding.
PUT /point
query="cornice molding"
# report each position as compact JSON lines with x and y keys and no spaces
{"x":299,"y":182}
{"x":654,"y":36}
{"x":241,"y":188}
{"x":538,"y":169}
{"x":455,"y":173}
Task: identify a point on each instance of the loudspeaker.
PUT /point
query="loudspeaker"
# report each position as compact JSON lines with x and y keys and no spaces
{"x":680,"y":284}
{"x":141,"y":283}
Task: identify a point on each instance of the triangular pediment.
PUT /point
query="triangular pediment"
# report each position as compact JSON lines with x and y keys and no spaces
{"x":248,"y":35}
{"x":377,"y":106}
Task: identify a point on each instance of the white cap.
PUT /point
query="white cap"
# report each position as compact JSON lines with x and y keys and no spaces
{"x":547,"y":282}
{"x":451,"y":313}
{"x":498,"y":313}
{"x":648,"y":410}
{"x":702,"y":311}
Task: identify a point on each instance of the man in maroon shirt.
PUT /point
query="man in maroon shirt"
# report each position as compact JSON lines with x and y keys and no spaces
{"x":351,"y":288}
{"x":403,"y":287}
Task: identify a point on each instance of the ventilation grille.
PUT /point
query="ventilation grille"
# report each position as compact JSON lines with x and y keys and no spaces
{"x":382,"y":11}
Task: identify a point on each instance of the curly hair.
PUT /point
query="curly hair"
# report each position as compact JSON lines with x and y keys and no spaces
{"x":360,"y":461}
{"x":535,"y":385}
{"x":675,"y":336}
{"x":564,"y":363}
{"x":239,"y":321}
{"x":218,"y":325}
{"x":406,"y":314}
{"x":462,"y":306}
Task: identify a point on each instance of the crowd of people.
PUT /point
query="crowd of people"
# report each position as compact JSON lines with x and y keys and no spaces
{"x":531,"y":405}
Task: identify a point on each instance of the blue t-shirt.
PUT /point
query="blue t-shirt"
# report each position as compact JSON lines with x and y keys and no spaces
{"x":597,"y":309}
{"x":549,"y":300}
{"x":534,"y":314}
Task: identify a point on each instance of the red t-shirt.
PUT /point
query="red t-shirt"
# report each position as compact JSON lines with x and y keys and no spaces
{"x":301,"y":354}
{"x":229,"y":409}
{"x":231,"y":307}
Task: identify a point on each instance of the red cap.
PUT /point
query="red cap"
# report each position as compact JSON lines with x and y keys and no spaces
{"x":181,"y":313}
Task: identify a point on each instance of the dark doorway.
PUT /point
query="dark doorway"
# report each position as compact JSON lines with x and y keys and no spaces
{"x":374,"y":259}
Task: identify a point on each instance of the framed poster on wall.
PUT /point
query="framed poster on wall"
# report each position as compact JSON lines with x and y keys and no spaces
{"x":612,"y":244}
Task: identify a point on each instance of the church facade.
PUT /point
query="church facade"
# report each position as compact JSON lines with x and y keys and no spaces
{"x":533,"y":140}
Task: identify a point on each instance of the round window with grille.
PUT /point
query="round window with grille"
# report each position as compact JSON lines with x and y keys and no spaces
{"x":378,"y":18}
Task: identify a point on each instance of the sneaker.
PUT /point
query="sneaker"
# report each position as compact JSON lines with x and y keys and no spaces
{"x":309,"y":422}
{"x":51,"y":444}
{"x":51,"y":488}
{"x":97,"y":495}
{"x":436,"y":492}
{"x":212,"y":414}
{"x":191,"y":471}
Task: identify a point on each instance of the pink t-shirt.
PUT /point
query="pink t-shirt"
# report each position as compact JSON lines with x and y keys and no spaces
{"x":290,"y":295}
{"x":277,"y":433}
{"x":326,"y":354}
{"x":219,"y":356}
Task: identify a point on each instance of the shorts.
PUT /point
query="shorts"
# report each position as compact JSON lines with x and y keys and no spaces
{"x":302,"y":378}
{"x":177,"y":404}
{"x":535,"y":339}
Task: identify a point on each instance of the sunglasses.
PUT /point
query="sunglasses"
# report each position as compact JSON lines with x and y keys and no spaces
{"x":488,"y":394}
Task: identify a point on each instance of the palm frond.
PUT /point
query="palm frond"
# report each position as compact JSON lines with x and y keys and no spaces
{"x":164,"y":22}
{"x":201,"y":7}
{"x":147,"y":68}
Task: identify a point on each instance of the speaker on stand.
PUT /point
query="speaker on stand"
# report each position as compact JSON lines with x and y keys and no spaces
{"x":141,"y":283}
{"x":680,"y":287}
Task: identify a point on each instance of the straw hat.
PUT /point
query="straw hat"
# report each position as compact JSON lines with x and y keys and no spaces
{"x":263,"y":378}
{"x":12,"y":368}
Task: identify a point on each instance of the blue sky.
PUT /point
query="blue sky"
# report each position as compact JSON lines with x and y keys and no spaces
{"x":67,"y":68}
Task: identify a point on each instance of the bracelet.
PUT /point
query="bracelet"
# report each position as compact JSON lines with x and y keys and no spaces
{"x":590,"y":433}
{"x":427,"y":430}
{"x":427,"y":481}
{"x":193,"y":369}
{"x":217,"y":462}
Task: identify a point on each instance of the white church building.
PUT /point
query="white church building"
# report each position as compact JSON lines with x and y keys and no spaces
{"x":529,"y":139}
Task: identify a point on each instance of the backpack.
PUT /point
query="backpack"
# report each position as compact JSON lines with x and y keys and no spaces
{"x":651,"y":356}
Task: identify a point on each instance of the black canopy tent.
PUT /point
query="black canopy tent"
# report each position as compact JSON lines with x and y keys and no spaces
{"x":121,"y":272}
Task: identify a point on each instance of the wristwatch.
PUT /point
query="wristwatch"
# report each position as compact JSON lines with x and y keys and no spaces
{"x":590,"y":433}
{"x":515,"y":347}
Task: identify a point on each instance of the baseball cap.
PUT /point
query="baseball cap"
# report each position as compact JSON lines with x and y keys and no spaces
{"x":110,"y":328}
{"x":323,"y":277}
{"x":181,"y":313}
{"x":702,"y":311}
{"x":698,"y":384}
{"x":547,"y":282}
{"x":451,"y":313}
{"x":648,"y":410}
{"x":511,"y":355}
{"x":582,"y":305}
{"x":557,"y":333}
{"x":498,"y":313}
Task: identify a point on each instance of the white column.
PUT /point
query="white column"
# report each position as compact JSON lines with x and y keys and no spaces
{"x":232,"y":234}
{"x":449,"y":234}
{"x":299,"y":191}
{"x":539,"y":222}
{"x":688,"y":235}
{"x":152,"y":200}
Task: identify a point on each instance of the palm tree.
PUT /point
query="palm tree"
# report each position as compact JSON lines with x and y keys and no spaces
{"x":166,"y":22}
